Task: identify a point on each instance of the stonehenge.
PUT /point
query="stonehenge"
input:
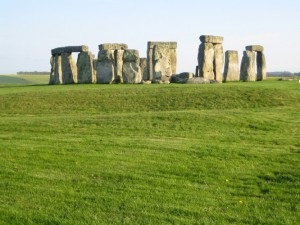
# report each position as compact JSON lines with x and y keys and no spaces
{"x":253,"y":55}
{"x":116,"y":63}
{"x":210,"y":57}
{"x":161,"y":60}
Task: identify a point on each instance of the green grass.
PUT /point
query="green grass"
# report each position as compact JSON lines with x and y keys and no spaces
{"x":150,"y":154}
{"x":23,"y":79}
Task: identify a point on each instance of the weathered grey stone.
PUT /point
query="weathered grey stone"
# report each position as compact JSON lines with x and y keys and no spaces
{"x":52,"y":63}
{"x":247,"y":72}
{"x":167,"y":55}
{"x":70,"y":49}
{"x":131,"y":73}
{"x":162,"y":66}
{"x":105,"y":72}
{"x":218,"y":62}
{"x":211,"y":39}
{"x":85,"y":68}
{"x":170,"y":45}
{"x":118,"y":66}
{"x":181,"y":78}
{"x":131,"y":67}
{"x":69,"y":69}
{"x":231,"y":70}
{"x":113,"y":46}
{"x":106,"y":56}
{"x":261,"y":66}
{"x":57,"y":77}
{"x":144,"y":69}
{"x":131,"y":55}
{"x":198,"y":80}
{"x":206,"y":61}
{"x":197,"y":71}
{"x":255,"y":48}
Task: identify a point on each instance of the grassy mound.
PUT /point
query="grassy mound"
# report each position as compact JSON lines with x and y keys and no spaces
{"x":157,"y":154}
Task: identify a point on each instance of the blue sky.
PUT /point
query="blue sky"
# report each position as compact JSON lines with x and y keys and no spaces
{"x":30,"y":29}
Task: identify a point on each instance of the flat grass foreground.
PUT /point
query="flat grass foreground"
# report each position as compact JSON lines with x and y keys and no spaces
{"x":150,"y":154}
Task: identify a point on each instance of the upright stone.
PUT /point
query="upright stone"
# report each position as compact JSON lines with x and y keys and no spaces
{"x":247,"y":72}
{"x":69,"y":69}
{"x":85,"y":68}
{"x":231,"y":70}
{"x":52,"y":63}
{"x":218,"y":62}
{"x":144,"y":69}
{"x":57,"y":70}
{"x":162,"y":67}
{"x":131,"y":67}
{"x":118,"y":66}
{"x":261,"y":66}
{"x":106,"y":67}
{"x":206,"y":61}
{"x":161,"y":60}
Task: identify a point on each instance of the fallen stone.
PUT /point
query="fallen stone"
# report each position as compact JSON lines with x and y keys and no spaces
{"x":181,"y":78}
{"x":255,"y":48}
{"x":198,"y":80}
{"x":69,"y":49}
{"x":211,"y":39}
{"x":113,"y":46}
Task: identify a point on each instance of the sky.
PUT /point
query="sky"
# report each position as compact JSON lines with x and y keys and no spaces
{"x":30,"y":29}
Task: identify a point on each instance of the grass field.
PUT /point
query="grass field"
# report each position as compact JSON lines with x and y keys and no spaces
{"x":23,"y":79}
{"x":150,"y":154}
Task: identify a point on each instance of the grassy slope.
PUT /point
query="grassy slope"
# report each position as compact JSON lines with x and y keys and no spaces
{"x":23,"y":79}
{"x":157,"y":154}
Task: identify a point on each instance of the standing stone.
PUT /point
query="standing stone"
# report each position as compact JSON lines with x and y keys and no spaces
{"x":106,"y":67}
{"x":144,"y":69}
{"x":118,"y":66}
{"x":218,"y":62}
{"x":231,"y":70}
{"x":162,"y":67}
{"x":247,"y":72}
{"x":261,"y":66}
{"x":57,"y":70}
{"x":131,"y":67}
{"x":165,"y":53}
{"x":69,"y":69}
{"x":206,"y":61}
{"x":85,"y":68}
{"x":52,"y":63}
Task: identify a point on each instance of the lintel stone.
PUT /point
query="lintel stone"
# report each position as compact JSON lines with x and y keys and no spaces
{"x":255,"y":48}
{"x":113,"y":46}
{"x":171,"y":45}
{"x":211,"y":39}
{"x":70,"y":49}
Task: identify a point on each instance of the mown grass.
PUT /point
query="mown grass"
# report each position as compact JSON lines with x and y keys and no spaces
{"x":157,"y":154}
{"x":23,"y":79}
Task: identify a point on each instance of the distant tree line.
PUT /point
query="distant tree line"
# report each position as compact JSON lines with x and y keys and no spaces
{"x":283,"y":74}
{"x":33,"y":73}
